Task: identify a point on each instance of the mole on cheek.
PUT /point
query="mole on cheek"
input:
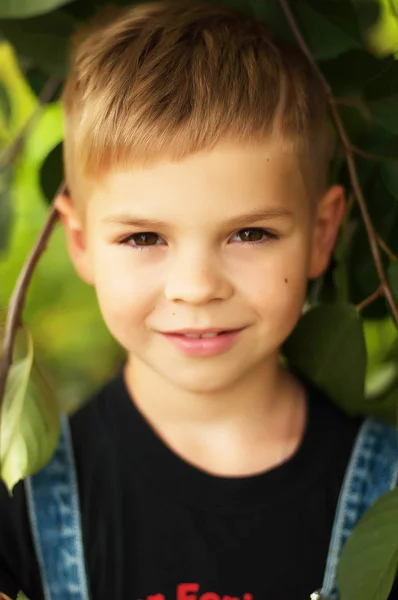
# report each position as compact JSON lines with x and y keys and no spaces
{"x":285,"y":280}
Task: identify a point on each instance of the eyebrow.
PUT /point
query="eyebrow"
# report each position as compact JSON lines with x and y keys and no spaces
{"x":253,"y":216}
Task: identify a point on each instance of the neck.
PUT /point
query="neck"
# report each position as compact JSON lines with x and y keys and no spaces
{"x":257,"y":395}
{"x":251,"y":426}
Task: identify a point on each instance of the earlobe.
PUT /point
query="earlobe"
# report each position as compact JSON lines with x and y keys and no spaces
{"x":328,"y":218}
{"x":75,"y":237}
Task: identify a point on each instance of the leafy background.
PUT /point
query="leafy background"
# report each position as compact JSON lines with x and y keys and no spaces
{"x":347,"y":345}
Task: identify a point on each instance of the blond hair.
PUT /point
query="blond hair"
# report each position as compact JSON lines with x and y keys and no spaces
{"x":171,"y":78}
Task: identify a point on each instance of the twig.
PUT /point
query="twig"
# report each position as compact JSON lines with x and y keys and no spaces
{"x":46,"y":95}
{"x":370,"y":156}
{"x":372,"y":236}
{"x":370,"y":299}
{"x":18,"y":296}
{"x":386,"y":249}
{"x":356,"y":103}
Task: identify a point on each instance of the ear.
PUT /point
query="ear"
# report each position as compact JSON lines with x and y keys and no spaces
{"x":75,"y":237}
{"x":327,"y":222}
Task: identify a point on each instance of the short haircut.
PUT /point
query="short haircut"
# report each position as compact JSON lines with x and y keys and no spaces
{"x":167,"y":79}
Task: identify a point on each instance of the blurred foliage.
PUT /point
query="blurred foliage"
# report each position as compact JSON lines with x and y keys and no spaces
{"x":69,"y":335}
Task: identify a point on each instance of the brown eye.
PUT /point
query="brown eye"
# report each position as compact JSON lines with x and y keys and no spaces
{"x":147,"y":238}
{"x":251,"y":235}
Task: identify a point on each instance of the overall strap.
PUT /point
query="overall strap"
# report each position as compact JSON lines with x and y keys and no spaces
{"x":372,"y":471}
{"x":53,"y":505}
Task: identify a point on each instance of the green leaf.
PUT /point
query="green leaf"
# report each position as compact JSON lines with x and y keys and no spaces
{"x":382,"y":36}
{"x":43,"y":40}
{"x":330,"y":27}
{"x":369,"y":561}
{"x":5,"y":104}
{"x":6,"y":177}
{"x":15,"y":9}
{"x":40,"y":424}
{"x":328,"y":348}
{"x":16,"y":386}
{"x":29,"y":426}
{"x":51,"y":173}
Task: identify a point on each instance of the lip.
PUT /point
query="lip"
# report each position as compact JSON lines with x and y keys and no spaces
{"x":203,"y":331}
{"x":203,"y":346}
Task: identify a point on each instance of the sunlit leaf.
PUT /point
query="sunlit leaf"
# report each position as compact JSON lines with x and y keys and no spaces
{"x":369,"y":561}
{"x":29,"y":426}
{"x":14,"y":397}
{"x":328,"y":347}
{"x":382,"y":36}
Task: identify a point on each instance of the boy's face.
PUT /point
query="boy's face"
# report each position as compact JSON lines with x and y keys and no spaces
{"x":204,"y":262}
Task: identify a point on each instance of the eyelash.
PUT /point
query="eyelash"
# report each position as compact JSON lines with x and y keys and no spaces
{"x":270,"y":235}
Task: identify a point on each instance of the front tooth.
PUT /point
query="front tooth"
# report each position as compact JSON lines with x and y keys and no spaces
{"x":205,"y":335}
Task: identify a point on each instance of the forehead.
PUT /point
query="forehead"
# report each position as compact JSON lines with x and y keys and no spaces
{"x":224,"y":180}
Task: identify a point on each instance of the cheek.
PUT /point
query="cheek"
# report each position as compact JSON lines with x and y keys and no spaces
{"x":125,"y":295}
{"x":276,"y":287}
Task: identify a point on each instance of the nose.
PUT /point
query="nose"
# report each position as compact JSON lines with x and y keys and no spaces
{"x":196,"y":278}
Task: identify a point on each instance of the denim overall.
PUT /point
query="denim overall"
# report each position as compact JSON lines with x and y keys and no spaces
{"x":53,"y":504}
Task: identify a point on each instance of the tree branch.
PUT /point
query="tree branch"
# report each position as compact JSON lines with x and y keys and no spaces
{"x":370,"y":156}
{"x":386,"y":249}
{"x":372,"y":236}
{"x":16,"y":305}
{"x":369,"y":299}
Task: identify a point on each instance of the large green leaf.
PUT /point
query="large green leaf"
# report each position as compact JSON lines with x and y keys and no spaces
{"x":44,"y":40}
{"x":328,"y":348}
{"x":15,"y":9}
{"x":14,"y":397}
{"x":369,"y":561}
{"x":29,"y":427}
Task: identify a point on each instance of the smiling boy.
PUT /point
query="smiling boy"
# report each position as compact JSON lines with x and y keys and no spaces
{"x":196,"y":154}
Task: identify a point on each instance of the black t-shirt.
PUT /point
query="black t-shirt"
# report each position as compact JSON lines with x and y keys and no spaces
{"x":157,"y":528}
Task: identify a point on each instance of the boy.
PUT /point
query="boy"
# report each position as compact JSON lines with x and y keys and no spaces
{"x":196,"y":158}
